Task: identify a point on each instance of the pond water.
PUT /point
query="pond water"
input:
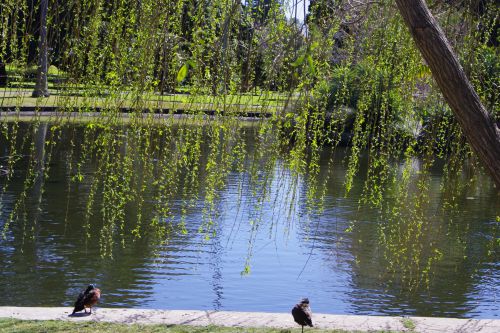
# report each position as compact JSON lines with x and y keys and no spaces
{"x":335,"y":254}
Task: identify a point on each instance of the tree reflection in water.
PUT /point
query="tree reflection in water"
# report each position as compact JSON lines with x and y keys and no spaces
{"x":170,"y":217}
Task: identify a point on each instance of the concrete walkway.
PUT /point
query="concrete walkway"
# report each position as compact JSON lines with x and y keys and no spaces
{"x":256,"y":319}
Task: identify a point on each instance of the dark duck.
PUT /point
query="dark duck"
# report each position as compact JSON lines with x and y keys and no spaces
{"x":87,"y":299}
{"x":302,"y":314}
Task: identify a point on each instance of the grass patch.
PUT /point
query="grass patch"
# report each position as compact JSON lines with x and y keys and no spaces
{"x":34,"y":326}
{"x":408,"y":324}
{"x":10,"y":97}
{"x":21,"y":82}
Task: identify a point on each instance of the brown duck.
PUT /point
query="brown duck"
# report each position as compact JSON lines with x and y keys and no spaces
{"x":87,"y":299}
{"x":302,"y":314}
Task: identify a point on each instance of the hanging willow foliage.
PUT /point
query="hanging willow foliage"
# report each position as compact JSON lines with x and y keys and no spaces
{"x":347,"y":75}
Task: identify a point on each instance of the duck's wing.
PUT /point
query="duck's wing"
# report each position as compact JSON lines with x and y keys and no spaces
{"x":79,"y":302}
{"x":300,"y":315}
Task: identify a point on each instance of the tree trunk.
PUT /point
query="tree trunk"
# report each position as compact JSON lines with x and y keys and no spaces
{"x":3,"y":75}
{"x":39,"y":156}
{"x":41,"y":86}
{"x":478,"y":125}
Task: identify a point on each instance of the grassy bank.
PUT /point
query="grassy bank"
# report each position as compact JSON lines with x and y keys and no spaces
{"x":181,"y":103}
{"x":30,"y":326}
{"x":186,"y":100}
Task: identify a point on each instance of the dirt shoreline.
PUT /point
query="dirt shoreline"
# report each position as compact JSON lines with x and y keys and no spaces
{"x":255,"y":319}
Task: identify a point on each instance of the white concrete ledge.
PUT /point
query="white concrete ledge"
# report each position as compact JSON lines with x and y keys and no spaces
{"x":255,"y":319}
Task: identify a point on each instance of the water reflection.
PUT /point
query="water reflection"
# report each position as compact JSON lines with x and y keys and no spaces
{"x":340,"y":253}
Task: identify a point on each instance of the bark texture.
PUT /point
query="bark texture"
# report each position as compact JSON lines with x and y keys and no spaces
{"x":41,"y":86}
{"x":479,"y":127}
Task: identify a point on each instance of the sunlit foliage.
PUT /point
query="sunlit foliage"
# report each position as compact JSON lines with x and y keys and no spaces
{"x":348,"y":75}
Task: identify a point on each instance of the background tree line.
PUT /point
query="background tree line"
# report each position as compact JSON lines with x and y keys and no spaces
{"x":247,"y":44}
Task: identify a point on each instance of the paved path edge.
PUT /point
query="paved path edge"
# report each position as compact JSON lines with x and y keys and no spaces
{"x":256,"y":319}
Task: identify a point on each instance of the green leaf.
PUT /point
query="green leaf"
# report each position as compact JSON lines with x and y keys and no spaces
{"x":314,"y":45}
{"x":299,"y":61}
{"x":181,"y":75}
{"x":310,"y":62}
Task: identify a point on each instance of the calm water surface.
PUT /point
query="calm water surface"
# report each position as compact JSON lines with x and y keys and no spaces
{"x":295,"y":252}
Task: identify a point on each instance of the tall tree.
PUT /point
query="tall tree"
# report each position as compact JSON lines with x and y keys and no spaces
{"x":41,"y":86}
{"x":479,"y":126}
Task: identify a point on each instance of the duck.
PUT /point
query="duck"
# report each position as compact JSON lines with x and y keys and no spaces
{"x":302,"y":314}
{"x":87,"y":299}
